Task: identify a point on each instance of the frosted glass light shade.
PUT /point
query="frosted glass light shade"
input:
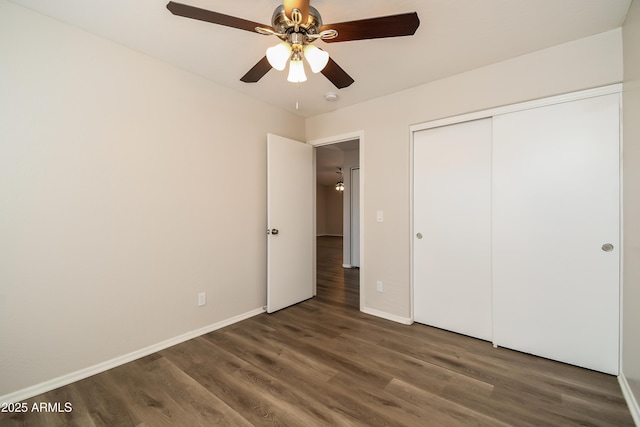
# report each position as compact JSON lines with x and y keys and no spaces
{"x":278,"y":55}
{"x":296,"y":72}
{"x":317,"y":58}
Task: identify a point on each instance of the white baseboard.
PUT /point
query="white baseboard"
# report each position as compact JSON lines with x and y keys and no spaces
{"x":46,"y":386}
{"x":387,"y":316}
{"x":346,"y":266}
{"x":632,"y":403}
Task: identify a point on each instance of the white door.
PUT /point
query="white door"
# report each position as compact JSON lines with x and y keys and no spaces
{"x":290,"y":240}
{"x":555,"y":210}
{"x":355,"y":217}
{"x":452,"y":226}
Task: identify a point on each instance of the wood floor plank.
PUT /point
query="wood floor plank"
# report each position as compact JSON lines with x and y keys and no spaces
{"x":329,"y":356}
{"x":440,"y":411}
{"x":308,"y":376}
{"x":53,"y":419}
{"x":254,"y":345}
{"x":101,"y":398}
{"x":146,"y":400}
{"x":164,"y":395}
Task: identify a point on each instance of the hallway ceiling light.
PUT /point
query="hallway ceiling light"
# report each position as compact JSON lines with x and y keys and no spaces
{"x":340,"y":183}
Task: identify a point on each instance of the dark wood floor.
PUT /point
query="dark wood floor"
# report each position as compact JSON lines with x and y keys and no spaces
{"x":336,"y":285}
{"x":322,"y":362}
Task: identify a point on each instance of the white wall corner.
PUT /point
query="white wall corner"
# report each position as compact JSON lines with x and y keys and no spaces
{"x":632,"y":402}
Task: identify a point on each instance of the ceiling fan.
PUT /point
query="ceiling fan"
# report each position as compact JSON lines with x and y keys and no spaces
{"x":298,"y":24}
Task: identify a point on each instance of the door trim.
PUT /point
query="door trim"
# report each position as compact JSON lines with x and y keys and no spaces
{"x":351,"y":219}
{"x":482,"y":114}
{"x":359,"y":135}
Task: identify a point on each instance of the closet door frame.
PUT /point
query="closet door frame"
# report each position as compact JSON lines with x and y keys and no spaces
{"x":605,"y":90}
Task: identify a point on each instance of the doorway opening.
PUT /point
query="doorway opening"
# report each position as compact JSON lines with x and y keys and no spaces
{"x":338,"y":223}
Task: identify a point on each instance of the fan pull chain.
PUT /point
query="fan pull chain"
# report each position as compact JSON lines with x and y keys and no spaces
{"x":297,"y":96}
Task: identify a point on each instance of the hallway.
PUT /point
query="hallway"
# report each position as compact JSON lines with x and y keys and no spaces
{"x":336,"y":285}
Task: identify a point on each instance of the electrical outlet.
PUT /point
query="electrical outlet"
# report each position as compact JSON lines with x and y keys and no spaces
{"x":379,"y":285}
{"x":202,"y":299}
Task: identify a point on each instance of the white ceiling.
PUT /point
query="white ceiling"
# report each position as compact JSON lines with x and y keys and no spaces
{"x":454,"y":36}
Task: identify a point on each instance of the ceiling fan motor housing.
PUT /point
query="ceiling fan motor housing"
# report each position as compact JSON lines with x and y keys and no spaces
{"x":285,"y":27}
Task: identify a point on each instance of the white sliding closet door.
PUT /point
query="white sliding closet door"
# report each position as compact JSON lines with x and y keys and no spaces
{"x":555,"y":211}
{"x":452,"y":226}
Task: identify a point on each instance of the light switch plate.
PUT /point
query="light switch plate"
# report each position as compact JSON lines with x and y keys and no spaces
{"x":379,"y":216}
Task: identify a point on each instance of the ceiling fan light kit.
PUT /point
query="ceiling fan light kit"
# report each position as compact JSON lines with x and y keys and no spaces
{"x":278,"y":55}
{"x":296,"y":37}
{"x":298,"y":25}
{"x":317,"y":58}
{"x":296,"y":71}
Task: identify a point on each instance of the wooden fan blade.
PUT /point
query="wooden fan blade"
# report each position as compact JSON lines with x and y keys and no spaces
{"x":337,"y":75}
{"x":404,"y":24}
{"x":192,"y":12}
{"x":302,"y":5}
{"x":257,"y":72}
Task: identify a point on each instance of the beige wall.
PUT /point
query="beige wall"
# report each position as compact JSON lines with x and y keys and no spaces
{"x":126,"y":187}
{"x":328,"y":211}
{"x":321,"y":210}
{"x":334,"y":205}
{"x":631,"y":197}
{"x":586,"y":63}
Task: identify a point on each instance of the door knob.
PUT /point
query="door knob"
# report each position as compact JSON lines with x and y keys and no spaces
{"x":607,"y":247}
{"x":274,"y":231}
{"x":419,"y":235}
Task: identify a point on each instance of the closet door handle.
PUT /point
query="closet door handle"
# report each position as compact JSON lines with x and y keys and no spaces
{"x":419,"y":235}
{"x":607,"y":247}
